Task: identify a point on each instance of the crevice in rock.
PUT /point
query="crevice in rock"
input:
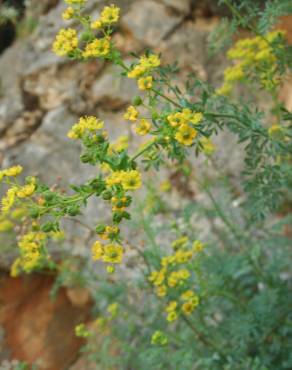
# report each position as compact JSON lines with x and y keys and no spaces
{"x":174,"y":29}
{"x":11,"y":12}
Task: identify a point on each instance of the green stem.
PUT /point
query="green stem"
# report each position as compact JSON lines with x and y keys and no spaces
{"x":231,"y":298}
{"x":157,"y":92}
{"x":223,"y":217}
{"x":143,"y":150}
{"x":202,"y":338}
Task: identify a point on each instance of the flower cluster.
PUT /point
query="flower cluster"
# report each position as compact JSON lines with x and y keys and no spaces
{"x":11,"y":172}
{"x":182,"y":122}
{"x":142,"y":71}
{"x":129,"y":180}
{"x":15,"y":191}
{"x":255,"y":61}
{"x":86,"y":125}
{"x":110,"y":253}
{"x":173,"y":280}
{"x":30,"y":246}
{"x":117,"y":183}
{"x":108,"y":16}
{"x":67,"y":42}
{"x":159,"y":338}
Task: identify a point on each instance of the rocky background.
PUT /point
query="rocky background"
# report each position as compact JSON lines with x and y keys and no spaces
{"x":41,"y":96}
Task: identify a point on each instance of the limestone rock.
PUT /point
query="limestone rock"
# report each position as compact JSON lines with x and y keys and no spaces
{"x":112,"y":91}
{"x":38,"y":329}
{"x":150,"y":21}
{"x":183,"y":6}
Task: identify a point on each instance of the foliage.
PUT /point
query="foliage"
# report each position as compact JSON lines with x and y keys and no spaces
{"x":218,"y":304}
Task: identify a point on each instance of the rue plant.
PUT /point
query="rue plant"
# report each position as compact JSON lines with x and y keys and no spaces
{"x":178,"y":124}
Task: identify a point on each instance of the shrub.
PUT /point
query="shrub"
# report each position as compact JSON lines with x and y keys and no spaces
{"x":192,"y":299}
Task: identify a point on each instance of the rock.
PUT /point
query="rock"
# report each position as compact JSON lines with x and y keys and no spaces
{"x":187,"y":46}
{"x":38,"y":329}
{"x":10,"y":97}
{"x":113,"y":91}
{"x":150,"y":22}
{"x":183,"y":6}
{"x":79,"y":297}
{"x":21,"y":129}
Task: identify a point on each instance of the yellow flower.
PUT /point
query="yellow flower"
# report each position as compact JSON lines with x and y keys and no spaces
{"x":114,"y":179}
{"x":159,"y":338}
{"x":234,"y":73}
{"x":26,"y":191}
{"x":110,"y":14}
{"x":176,"y":119}
{"x":180,"y":242}
{"x":136,"y":72}
{"x":81,"y":331}
{"x":146,"y":64}
{"x":12,"y":171}
{"x":173,"y":279}
{"x":97,"y":251}
{"x":276,"y":131}
{"x":113,"y":309}
{"x":183,"y":274}
{"x":187,"y":295}
{"x":131,"y":180}
{"x":143,"y":127}
{"x":168,"y":260}
{"x":97,"y":48}
{"x":198,"y":246}
{"x":30,"y":260}
{"x":208,"y":147}
{"x":15,"y":268}
{"x":161,"y":291}
{"x":266,"y":54}
{"x":131,"y":114}
{"x":109,"y":233}
{"x":150,"y":61}
{"x":185,"y":135}
{"x":113,"y":253}
{"x":30,"y":247}
{"x":96,"y":25}
{"x":183,"y":256}
{"x":224,"y":90}
{"x":172,"y":316}
{"x":180,"y":118}
{"x":145,"y":83}
{"x":66,"y":41}
{"x":190,"y":116}
{"x":157,"y":277}
{"x":152,"y":277}
{"x":68,"y":13}
{"x":172,"y":306}
{"x":189,"y":306}
{"x":110,"y":269}
{"x":85,"y":124}
{"x":196,"y":118}
{"x":9,"y":199}
{"x":57,"y":235}
{"x":121,"y":144}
